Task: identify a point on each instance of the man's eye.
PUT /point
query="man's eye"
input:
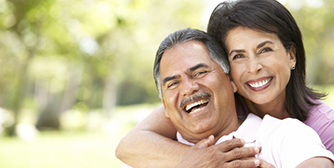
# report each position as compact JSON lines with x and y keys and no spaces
{"x":200,"y":73}
{"x":172,"y":84}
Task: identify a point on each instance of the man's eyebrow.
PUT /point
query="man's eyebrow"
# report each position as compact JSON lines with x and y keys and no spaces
{"x":200,"y":65}
{"x":168,"y":78}
{"x":258,"y":46}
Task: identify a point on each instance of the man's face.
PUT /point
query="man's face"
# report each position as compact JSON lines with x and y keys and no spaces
{"x":197,"y":94}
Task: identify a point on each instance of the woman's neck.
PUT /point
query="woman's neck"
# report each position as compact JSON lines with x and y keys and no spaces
{"x":275,"y":109}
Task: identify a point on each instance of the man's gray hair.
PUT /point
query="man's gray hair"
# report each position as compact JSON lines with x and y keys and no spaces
{"x":216,"y":52}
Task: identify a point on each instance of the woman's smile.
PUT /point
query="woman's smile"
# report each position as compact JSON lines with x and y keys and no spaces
{"x":259,"y":84}
{"x":260,"y":65}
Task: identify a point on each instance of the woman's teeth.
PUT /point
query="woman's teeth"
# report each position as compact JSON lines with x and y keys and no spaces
{"x":259,"y":84}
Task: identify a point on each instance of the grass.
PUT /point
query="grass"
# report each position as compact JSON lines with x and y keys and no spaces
{"x":73,"y":149}
{"x":59,"y":150}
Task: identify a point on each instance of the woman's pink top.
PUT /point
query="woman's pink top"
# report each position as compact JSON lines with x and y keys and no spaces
{"x":321,"y":119}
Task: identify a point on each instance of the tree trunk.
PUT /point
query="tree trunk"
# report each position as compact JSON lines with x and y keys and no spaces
{"x":20,"y":88}
{"x":72,"y":86}
{"x":49,"y":118}
{"x":109,"y":95}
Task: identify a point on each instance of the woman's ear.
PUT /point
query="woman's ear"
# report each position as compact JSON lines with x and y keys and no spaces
{"x":166,"y":113}
{"x":234,"y":87}
{"x":292,"y":55}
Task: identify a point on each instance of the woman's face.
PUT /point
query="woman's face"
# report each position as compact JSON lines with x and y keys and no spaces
{"x":260,"y":65}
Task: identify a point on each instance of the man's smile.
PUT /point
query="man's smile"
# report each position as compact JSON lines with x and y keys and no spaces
{"x":195,"y":102}
{"x":196,"y":106}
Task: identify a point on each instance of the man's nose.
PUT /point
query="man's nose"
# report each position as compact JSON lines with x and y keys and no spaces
{"x":189,"y":87}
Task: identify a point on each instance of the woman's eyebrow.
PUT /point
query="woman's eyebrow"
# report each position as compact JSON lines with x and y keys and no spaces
{"x":237,"y":50}
{"x":264,"y":43}
{"x":258,"y":46}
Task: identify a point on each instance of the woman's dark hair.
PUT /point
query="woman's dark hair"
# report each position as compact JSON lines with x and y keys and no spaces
{"x":272,"y":17}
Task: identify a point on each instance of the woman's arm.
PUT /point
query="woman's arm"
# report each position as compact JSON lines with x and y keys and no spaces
{"x":150,"y":143}
{"x":317,"y":162}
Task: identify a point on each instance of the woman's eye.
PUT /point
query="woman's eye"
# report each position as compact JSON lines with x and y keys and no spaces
{"x":266,"y":50}
{"x":237,"y":56}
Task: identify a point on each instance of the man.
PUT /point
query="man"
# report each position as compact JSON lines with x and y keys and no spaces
{"x":191,"y":74}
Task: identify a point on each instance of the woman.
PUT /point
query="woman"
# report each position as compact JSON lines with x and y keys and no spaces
{"x":269,"y":74}
{"x":295,"y":99}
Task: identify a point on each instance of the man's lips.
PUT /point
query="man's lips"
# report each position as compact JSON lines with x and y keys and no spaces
{"x":196,"y":106}
{"x":194,"y":102}
{"x":198,"y":103}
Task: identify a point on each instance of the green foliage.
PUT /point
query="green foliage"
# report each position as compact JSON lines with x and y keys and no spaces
{"x":316,"y":21}
{"x":66,"y":54}
{"x":100,"y":53}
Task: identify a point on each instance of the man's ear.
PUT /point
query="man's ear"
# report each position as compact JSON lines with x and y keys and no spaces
{"x":166,"y":113}
{"x":292,"y":55}
{"x":234,"y":87}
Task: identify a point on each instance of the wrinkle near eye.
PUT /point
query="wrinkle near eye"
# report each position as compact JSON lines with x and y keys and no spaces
{"x":266,"y":49}
{"x":171,"y":85}
{"x":200,"y":73}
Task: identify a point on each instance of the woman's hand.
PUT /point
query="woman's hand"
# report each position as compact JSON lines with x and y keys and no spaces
{"x":230,"y":153}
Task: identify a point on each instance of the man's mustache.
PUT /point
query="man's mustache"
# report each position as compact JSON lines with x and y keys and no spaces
{"x":194,"y":97}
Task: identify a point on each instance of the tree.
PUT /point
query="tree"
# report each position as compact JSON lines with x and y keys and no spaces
{"x":81,"y":53}
{"x":316,"y":22}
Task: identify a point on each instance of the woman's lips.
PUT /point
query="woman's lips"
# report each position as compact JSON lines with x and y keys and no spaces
{"x":259,"y":84}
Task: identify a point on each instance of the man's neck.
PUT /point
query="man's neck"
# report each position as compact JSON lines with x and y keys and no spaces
{"x":233,"y":126}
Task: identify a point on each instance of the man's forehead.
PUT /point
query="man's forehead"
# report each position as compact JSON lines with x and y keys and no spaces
{"x":184,"y":56}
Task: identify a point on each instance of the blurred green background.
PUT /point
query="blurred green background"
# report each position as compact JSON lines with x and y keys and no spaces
{"x":76,"y":75}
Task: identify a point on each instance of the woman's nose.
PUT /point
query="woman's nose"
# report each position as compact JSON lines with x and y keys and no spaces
{"x":254,"y":65}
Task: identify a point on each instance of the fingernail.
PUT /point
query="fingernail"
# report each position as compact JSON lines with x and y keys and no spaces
{"x":243,"y":141}
{"x":257,"y":162}
{"x":257,"y":150}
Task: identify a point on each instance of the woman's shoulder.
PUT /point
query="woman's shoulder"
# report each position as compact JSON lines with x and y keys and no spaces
{"x":321,"y":111}
{"x":321,"y":119}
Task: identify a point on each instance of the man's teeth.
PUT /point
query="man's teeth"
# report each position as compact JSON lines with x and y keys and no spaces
{"x":195,"y":111}
{"x":190,"y":106}
{"x":259,"y":84}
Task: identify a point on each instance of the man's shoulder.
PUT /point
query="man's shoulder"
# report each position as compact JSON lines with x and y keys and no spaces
{"x":272,"y":123}
{"x":272,"y":126}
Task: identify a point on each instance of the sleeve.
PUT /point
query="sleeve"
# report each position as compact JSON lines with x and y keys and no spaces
{"x":126,"y":166}
{"x":301,"y":143}
{"x":321,"y":119}
{"x":327,"y":135}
